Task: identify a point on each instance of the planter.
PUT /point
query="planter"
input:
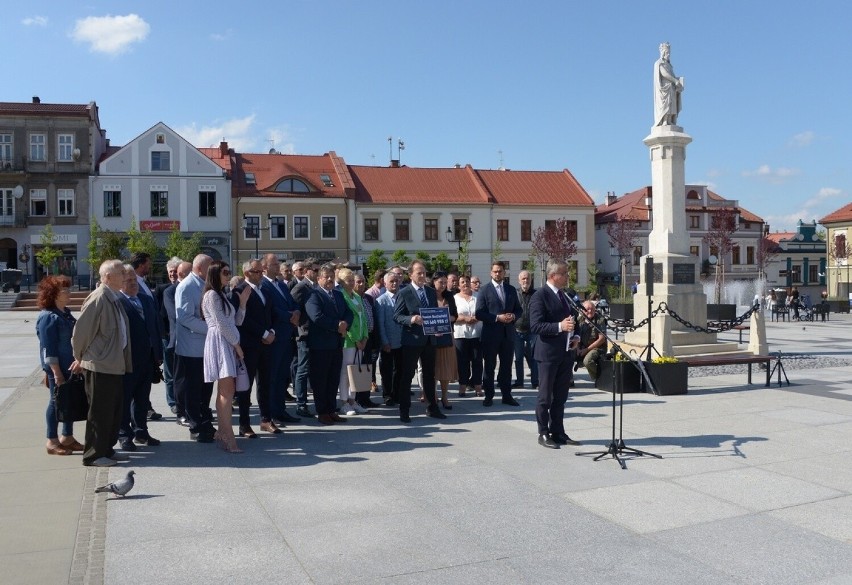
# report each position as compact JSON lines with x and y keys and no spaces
{"x":721,"y":312}
{"x":838,"y":306}
{"x":669,"y":379}
{"x":625,"y":371}
{"x":621,"y":311}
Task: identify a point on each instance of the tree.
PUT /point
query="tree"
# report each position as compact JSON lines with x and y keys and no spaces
{"x":425,"y":258}
{"x":765,"y":253}
{"x":441,"y":261}
{"x":463,"y":256}
{"x":400,"y":258}
{"x":838,"y":255}
{"x":557,"y":240}
{"x":376,"y":261}
{"x":112,"y":244}
{"x":497,"y":251}
{"x":623,"y":237}
{"x":182,"y":247}
{"x":139,"y":241}
{"x":723,"y":224}
{"x":48,"y":254}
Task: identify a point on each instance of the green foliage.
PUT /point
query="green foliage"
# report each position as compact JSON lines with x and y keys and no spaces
{"x":442,"y":262}
{"x":613,"y":295}
{"x":95,"y":249}
{"x":183,"y":248}
{"x":425,"y":258}
{"x":497,"y":251}
{"x":139,"y":241}
{"x":376,"y":261}
{"x":400,"y":258}
{"x":112,"y":244}
{"x":463,"y":257}
{"x":48,"y":254}
{"x":665,"y":359}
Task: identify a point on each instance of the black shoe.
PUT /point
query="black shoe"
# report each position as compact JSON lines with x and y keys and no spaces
{"x":547,"y":441}
{"x":403,"y":417}
{"x":304,"y":411}
{"x":127,"y":445}
{"x":518,"y":385}
{"x":566,"y":440}
{"x":181,"y":420}
{"x":146,"y":439}
{"x":436,"y":413}
{"x":201,"y":437}
{"x":154,"y":415}
{"x":173,"y":408}
{"x":288,"y":418}
{"x":510,"y":401}
{"x":488,"y":402}
{"x":391,"y":402}
{"x":289,"y":397}
{"x":369,"y":404}
{"x":535,"y":386}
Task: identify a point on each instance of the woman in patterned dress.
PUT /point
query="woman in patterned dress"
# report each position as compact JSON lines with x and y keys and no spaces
{"x":222,"y":347}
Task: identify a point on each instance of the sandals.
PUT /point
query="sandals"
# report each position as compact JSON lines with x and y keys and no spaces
{"x":57,"y":450}
{"x":73,"y":446}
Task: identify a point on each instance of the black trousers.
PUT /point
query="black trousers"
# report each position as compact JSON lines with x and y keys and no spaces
{"x":195,"y":392}
{"x":324,"y":374}
{"x":469,"y":358}
{"x":137,"y":398}
{"x":258,"y":362}
{"x":505,"y":349}
{"x":554,"y":379}
{"x":410,"y":355}
{"x":390,"y":368}
{"x":106,"y":397}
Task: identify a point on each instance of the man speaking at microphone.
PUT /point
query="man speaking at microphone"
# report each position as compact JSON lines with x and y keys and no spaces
{"x":553,"y":319}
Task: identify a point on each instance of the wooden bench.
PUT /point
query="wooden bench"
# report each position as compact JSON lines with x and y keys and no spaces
{"x":741,"y":328}
{"x":730,"y":359}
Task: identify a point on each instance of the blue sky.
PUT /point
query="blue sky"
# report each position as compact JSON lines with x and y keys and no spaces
{"x":551,"y":84}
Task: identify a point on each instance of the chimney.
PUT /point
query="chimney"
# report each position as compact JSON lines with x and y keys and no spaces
{"x":611,"y":198}
{"x":36,"y":99}
{"x":394,"y":163}
{"x":223,"y":149}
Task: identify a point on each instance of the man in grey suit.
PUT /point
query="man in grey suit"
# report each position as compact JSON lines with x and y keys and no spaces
{"x":415,"y":344}
{"x":191,"y":332}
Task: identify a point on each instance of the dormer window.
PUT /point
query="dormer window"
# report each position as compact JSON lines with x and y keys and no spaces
{"x":292,"y":186}
{"x":250,"y":180}
{"x":326,"y":180}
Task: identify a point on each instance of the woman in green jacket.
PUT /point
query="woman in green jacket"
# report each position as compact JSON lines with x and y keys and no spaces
{"x":353,"y":343}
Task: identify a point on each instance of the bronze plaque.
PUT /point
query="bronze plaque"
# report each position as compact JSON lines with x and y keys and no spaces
{"x":683,"y":274}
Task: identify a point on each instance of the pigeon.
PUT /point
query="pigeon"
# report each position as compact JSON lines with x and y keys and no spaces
{"x":120,"y":487}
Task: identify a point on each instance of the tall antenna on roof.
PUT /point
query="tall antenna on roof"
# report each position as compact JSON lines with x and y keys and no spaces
{"x":501,"y":167}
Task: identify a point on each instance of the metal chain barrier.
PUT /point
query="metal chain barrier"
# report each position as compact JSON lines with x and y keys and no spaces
{"x":624,"y":326}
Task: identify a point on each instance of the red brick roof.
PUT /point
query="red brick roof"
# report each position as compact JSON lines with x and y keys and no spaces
{"x":31,"y":109}
{"x":224,"y":160}
{"x":844,"y":214}
{"x":632,"y":206}
{"x":778,"y":237}
{"x":269,"y":169}
{"x":466,"y":186}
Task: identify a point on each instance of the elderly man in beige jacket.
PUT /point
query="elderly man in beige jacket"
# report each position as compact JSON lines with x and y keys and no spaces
{"x":101,"y":345}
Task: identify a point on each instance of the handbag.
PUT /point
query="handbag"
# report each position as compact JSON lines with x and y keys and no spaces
{"x":243,"y":384}
{"x":360,"y":374}
{"x":70,"y":400}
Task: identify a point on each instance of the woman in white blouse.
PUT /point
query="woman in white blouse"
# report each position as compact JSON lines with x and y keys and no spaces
{"x":467,"y":332}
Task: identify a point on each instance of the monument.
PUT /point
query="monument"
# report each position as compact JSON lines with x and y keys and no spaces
{"x":675,"y":273}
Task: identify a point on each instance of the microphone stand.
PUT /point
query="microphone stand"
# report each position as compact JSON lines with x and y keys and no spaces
{"x":617,"y":447}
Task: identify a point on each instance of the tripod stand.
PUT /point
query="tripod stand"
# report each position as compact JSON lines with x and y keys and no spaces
{"x":780,"y":368}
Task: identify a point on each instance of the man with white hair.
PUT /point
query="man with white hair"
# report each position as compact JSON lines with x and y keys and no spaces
{"x":191,"y":391}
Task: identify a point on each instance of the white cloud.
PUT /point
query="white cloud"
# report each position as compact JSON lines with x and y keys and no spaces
{"x":811,"y":208}
{"x":281,"y":140}
{"x":240,"y":134}
{"x":827,"y":192}
{"x":776,"y":175}
{"x":35,"y":21}
{"x":112,"y":35}
{"x":222,"y":36}
{"x":802,"y":139}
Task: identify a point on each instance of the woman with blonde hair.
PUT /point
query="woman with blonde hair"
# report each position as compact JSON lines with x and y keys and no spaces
{"x":354,"y":342}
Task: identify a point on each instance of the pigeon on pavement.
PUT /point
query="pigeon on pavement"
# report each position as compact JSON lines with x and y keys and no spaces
{"x":120,"y":487}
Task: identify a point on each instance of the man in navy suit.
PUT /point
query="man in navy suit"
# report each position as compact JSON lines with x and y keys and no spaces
{"x":329,"y":318}
{"x":285,"y":319}
{"x":415,"y":344}
{"x":146,"y":353}
{"x":553,"y":319}
{"x":498,"y":306}
{"x":257,"y":335}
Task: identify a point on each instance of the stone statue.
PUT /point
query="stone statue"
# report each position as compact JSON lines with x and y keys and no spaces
{"x":667,"y":89}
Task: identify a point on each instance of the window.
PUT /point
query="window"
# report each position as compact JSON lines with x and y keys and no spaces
{"x":112,"y":203}
{"x":371,"y":229}
{"x":750,"y":255}
{"x":5,"y":148}
{"x":550,"y":224}
{"x":502,"y":230}
{"x":159,"y":203}
{"x":326,"y":180}
{"x":693,"y":251}
{"x":735,"y":255}
{"x":301,"y":227}
{"x":207,"y":203}
{"x":813,"y":274}
{"x":278,"y":227}
{"x":329,"y":227}
{"x":694,"y":221}
{"x":38,"y":202}
{"x":637,"y":255}
{"x":401,"y":231}
{"x":64,"y":147}
{"x":251,"y":227}
{"x":37,"y":147}
{"x":7,"y":204}
{"x":161,"y":160}
{"x":430,"y":230}
{"x":526,"y":230}
{"x":65,"y":202}
{"x":460,"y":229}
{"x":250,"y":179}
{"x":292,"y":186}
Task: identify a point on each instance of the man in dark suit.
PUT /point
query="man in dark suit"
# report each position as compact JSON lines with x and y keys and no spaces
{"x":329,"y":318}
{"x":415,"y":344}
{"x":553,"y":319}
{"x":146,"y":353}
{"x":497,"y":306}
{"x":285,"y":319}
{"x":301,"y":293}
{"x":166,"y":325}
{"x":257,"y":335}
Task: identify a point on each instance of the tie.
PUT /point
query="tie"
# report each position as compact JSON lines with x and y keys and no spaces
{"x":499,"y":289}
{"x":422,"y":294}
{"x":138,"y":305}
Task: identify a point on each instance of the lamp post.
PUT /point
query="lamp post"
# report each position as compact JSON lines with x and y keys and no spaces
{"x":256,"y":231}
{"x":24,"y":257}
{"x":460,"y":241}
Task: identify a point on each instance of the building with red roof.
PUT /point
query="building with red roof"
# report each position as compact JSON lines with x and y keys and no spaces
{"x":838,"y":226}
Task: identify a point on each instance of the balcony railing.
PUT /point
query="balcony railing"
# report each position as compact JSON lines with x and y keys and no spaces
{"x":17,"y":219}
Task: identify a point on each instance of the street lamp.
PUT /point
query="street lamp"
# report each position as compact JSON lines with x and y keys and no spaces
{"x":24,"y":257}
{"x":255,"y":229}
{"x":453,"y":240}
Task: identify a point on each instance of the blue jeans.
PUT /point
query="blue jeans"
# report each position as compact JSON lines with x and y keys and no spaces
{"x":168,"y":372}
{"x":524,"y":348}
{"x":300,"y":385}
{"x":50,"y":415}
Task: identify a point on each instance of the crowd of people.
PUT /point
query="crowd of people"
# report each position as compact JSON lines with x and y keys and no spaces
{"x":273,"y":326}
